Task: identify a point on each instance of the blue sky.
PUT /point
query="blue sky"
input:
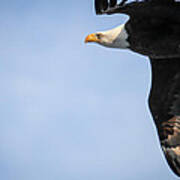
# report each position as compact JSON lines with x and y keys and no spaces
{"x":71,"y":111}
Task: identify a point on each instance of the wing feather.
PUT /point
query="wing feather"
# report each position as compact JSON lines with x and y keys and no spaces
{"x":164,"y":102}
{"x":101,"y":5}
{"x":138,"y":8}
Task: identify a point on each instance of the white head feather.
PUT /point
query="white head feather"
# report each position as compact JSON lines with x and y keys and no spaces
{"x":115,"y":38}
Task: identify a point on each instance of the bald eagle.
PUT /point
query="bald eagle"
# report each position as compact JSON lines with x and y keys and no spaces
{"x":153,"y":30}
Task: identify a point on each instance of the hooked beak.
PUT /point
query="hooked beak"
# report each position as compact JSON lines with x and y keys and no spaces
{"x":91,"y":38}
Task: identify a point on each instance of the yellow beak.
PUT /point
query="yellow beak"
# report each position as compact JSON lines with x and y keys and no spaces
{"x":91,"y":38}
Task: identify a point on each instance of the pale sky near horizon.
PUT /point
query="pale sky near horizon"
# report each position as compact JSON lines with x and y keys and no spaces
{"x":71,"y":111}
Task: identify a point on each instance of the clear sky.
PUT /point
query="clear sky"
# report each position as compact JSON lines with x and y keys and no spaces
{"x":71,"y":111}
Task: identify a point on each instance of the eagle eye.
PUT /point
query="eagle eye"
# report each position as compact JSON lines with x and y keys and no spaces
{"x":98,"y":36}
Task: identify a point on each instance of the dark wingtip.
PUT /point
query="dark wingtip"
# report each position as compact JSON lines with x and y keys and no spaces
{"x":108,"y":6}
{"x":113,"y":3}
{"x":100,"y":6}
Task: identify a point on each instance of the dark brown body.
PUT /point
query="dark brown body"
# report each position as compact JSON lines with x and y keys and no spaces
{"x":155,"y":34}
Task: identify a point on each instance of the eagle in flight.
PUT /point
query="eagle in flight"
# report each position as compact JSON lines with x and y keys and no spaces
{"x":153,"y":30}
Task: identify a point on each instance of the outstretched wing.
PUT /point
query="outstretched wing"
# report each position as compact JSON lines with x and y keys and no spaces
{"x":164,"y":102}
